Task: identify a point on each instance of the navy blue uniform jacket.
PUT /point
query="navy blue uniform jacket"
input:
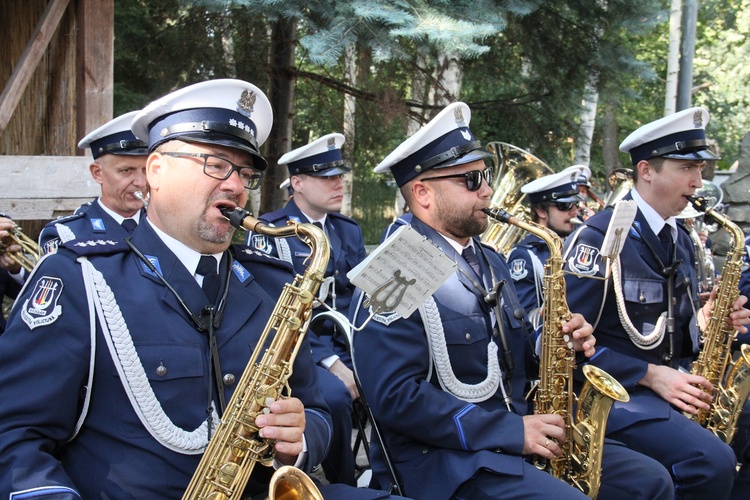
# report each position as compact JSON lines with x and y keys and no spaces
{"x":347,"y":250}
{"x":90,"y":221}
{"x":45,"y":372}
{"x":645,"y":294}
{"x":437,"y":440}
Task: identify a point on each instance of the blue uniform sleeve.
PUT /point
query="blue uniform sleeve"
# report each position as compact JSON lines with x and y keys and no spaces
{"x":44,"y":353}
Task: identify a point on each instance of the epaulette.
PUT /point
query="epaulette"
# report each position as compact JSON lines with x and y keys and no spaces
{"x":272,"y":217}
{"x":66,"y":218}
{"x":600,"y":221}
{"x":248,"y":255}
{"x":95,"y":246}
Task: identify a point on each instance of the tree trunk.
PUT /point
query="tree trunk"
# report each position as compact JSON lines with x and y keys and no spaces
{"x":350,"y":128}
{"x":673,"y":59}
{"x":587,"y":121}
{"x":610,"y":142}
{"x":281,"y":94}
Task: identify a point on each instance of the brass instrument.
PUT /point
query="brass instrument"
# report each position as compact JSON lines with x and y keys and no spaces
{"x":144,"y":198}
{"x":27,"y":256}
{"x":730,"y":379}
{"x":236,"y":447}
{"x":620,"y":182}
{"x":581,"y":459}
{"x":704,"y":261}
{"x":516,"y":167}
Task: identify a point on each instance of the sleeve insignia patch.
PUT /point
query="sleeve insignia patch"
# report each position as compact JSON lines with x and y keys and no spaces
{"x":41,"y":308}
{"x":518,"y":269}
{"x":97,"y":225}
{"x":584,"y":261}
{"x":240,"y":271}
{"x":261,"y":242}
{"x":386,"y":319}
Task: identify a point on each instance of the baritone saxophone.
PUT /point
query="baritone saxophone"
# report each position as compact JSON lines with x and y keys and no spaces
{"x":580,"y":463}
{"x":236,"y":446}
{"x":731,"y":379}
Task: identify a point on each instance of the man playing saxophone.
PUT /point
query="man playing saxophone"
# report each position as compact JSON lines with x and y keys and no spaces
{"x":447,"y":384}
{"x":121,"y":357}
{"x":647,"y":312}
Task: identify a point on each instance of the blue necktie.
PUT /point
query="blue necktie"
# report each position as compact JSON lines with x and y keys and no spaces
{"x":211,"y":280}
{"x":665,"y":236}
{"x":471,"y":257}
{"x":129,"y":225}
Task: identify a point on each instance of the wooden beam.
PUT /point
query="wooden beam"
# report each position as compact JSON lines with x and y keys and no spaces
{"x":96,"y":55}
{"x":30,"y":58}
{"x":44,"y":187}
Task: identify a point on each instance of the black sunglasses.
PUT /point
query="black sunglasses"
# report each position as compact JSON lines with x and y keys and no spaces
{"x":565,"y":206}
{"x":473,"y":178}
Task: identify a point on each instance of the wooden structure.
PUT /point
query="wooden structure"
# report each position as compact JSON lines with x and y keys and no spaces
{"x":56,"y":69}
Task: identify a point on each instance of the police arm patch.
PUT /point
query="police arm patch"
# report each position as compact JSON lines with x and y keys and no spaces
{"x":42,"y":307}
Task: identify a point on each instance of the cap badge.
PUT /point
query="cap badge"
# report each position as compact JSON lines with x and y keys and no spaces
{"x":466,"y":135}
{"x":698,"y":119}
{"x":246,"y":103}
{"x":458,"y":114}
{"x":331,"y":143}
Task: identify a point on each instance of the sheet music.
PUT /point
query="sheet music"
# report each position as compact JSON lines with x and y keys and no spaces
{"x":619,"y":225}
{"x":402,"y":272}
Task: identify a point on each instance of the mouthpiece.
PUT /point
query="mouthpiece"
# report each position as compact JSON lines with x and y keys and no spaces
{"x":235,"y":216}
{"x":140,"y":196}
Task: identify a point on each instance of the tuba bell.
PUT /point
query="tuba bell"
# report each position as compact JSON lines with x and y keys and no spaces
{"x":515,"y":167}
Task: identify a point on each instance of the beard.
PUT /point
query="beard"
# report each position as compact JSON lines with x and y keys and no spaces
{"x":208,"y":230}
{"x":458,"y":221}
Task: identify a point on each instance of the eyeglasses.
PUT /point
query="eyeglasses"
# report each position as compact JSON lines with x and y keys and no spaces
{"x":565,"y":206}
{"x":473,"y":178}
{"x":220,"y":169}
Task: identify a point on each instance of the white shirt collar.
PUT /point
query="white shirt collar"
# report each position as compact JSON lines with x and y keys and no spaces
{"x":184,"y":253}
{"x":458,"y":247}
{"x":655,"y":222}
{"x":117,"y":217}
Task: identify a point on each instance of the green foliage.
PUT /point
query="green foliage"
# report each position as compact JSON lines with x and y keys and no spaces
{"x":524,"y":65}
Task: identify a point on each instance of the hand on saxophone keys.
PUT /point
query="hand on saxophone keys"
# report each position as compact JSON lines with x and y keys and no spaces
{"x":285,"y":424}
{"x":541,"y":434}
{"x":582,"y":334}
{"x":740,"y":316}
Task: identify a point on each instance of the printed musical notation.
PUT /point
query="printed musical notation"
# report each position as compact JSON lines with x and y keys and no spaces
{"x":402,"y":272}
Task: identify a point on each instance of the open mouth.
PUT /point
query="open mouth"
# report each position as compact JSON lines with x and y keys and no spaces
{"x":225,"y":207}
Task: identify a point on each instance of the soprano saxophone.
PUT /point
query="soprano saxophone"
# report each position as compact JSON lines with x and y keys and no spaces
{"x":581,"y":459}
{"x":236,"y":446}
{"x":731,"y":379}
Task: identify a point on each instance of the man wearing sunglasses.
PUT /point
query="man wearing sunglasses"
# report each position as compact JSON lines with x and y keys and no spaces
{"x":554,"y":201}
{"x":447,"y":383}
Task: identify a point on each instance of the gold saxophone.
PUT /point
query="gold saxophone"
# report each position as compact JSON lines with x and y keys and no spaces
{"x":236,"y":446}
{"x":731,"y":379}
{"x":581,"y":460}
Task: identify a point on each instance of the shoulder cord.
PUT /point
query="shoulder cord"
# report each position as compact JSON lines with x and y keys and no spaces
{"x":471,"y":393}
{"x":645,"y":342}
{"x":131,"y":372}
{"x":64,"y":233}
